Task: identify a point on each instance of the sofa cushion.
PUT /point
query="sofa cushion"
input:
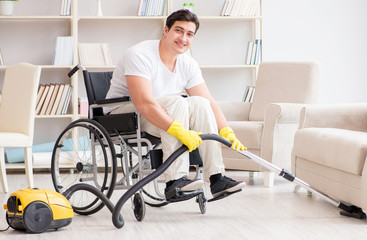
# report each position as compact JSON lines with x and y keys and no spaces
{"x":341,"y":149}
{"x":249,"y":133}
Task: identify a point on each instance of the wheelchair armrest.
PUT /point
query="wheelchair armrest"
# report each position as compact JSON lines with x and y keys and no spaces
{"x":113,"y":100}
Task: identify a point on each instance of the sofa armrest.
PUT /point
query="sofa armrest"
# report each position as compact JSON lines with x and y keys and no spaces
{"x":280,"y":124}
{"x":351,"y":116}
{"x":283,"y":112}
{"x":235,"y":111}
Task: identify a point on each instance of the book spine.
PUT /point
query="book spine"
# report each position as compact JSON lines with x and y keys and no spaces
{"x":250,"y":46}
{"x":140,"y":7}
{"x":257,"y":52}
{"x":67,"y":101}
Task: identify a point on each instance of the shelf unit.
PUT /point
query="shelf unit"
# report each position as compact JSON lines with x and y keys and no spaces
{"x":30,"y":35}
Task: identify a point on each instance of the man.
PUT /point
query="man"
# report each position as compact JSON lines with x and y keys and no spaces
{"x":154,"y":74}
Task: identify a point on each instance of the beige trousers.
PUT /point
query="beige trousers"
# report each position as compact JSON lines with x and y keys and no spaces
{"x":193,"y":113}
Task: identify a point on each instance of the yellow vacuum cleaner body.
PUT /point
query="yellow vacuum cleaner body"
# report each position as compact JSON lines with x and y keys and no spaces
{"x":36,"y":210}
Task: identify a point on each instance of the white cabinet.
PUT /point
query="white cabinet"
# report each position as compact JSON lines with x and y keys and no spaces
{"x":220,"y":45}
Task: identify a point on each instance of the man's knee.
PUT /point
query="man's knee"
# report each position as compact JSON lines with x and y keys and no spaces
{"x":174,"y":105}
{"x":199,"y":103}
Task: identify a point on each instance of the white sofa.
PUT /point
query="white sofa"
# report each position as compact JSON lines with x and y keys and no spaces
{"x":266,"y":126}
{"x":330,"y":151}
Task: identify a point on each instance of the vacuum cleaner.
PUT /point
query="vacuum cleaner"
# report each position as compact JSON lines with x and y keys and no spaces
{"x":37,"y":210}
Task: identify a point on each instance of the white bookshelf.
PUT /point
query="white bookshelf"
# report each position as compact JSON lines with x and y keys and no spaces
{"x":30,"y":35}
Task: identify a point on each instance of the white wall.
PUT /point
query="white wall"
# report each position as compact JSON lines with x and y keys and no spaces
{"x":333,"y":32}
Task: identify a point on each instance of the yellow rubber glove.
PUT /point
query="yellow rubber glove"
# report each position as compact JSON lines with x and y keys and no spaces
{"x":228,"y":134}
{"x":188,"y":137}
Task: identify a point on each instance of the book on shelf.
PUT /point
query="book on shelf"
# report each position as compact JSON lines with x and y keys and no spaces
{"x":41,"y":88}
{"x":1,"y":59}
{"x":225,"y":4}
{"x":65,"y":8}
{"x":151,"y":7}
{"x":57,"y":99}
{"x":236,"y":8}
{"x":94,"y":54}
{"x":250,"y":46}
{"x":42,"y":97}
{"x":254,"y":52}
{"x":53,"y":99}
{"x":252,"y":94}
{"x":64,"y":51}
{"x":257,"y":59}
{"x":247,"y":8}
{"x":47,"y":99}
{"x":249,"y":94}
{"x":66,"y":103}
{"x":63,"y":100}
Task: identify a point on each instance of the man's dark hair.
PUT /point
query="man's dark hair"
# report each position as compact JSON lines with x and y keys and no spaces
{"x":182,"y":15}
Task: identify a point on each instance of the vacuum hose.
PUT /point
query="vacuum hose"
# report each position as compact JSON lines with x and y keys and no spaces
{"x":117,"y":218}
{"x":97,"y":192}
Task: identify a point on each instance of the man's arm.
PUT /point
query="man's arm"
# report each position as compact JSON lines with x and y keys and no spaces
{"x":142,"y":95}
{"x":203,"y":91}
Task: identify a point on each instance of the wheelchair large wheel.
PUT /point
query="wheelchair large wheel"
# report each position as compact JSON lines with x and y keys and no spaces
{"x":84,"y":153}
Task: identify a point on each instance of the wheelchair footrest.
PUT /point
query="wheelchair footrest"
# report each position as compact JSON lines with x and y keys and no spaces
{"x":176,"y":195}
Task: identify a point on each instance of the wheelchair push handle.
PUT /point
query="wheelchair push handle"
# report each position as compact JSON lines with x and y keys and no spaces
{"x":74,"y":70}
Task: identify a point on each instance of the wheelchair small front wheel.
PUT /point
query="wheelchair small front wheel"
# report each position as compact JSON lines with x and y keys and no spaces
{"x":139,"y":207}
{"x":84,"y":153}
{"x":201,"y":200}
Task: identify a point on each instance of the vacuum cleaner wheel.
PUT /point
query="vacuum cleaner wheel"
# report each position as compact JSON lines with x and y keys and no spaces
{"x":37,"y":217}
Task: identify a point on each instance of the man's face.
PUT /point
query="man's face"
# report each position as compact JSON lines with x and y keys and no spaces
{"x":180,"y":36}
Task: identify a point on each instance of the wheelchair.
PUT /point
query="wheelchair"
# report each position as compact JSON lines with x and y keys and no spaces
{"x":111,"y":152}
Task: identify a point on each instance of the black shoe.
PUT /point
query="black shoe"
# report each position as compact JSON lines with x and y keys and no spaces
{"x":176,"y":189}
{"x":184,"y":184}
{"x":226,"y":185}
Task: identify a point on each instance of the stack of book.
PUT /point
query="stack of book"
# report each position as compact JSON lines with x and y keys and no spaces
{"x":246,"y":8}
{"x":53,"y":99}
{"x":65,"y":8}
{"x":254,"y":52}
{"x":64,"y":51}
{"x":151,"y":7}
{"x":94,"y":54}
{"x":249,"y":94}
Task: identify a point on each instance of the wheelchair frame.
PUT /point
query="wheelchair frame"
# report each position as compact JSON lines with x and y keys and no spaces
{"x":101,"y":135}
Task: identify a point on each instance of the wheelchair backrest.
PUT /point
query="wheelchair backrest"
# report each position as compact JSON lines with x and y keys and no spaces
{"x":97,"y":85}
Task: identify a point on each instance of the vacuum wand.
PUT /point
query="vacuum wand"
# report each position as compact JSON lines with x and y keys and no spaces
{"x":287,"y":175}
{"x":349,"y":211}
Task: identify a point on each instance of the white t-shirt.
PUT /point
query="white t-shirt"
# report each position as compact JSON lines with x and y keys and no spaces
{"x":143,"y":60}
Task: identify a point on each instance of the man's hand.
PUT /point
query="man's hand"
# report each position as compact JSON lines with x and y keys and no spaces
{"x":188,"y":137}
{"x":228,"y":134}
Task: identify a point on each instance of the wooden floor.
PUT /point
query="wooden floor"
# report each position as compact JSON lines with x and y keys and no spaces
{"x":255,"y":213}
